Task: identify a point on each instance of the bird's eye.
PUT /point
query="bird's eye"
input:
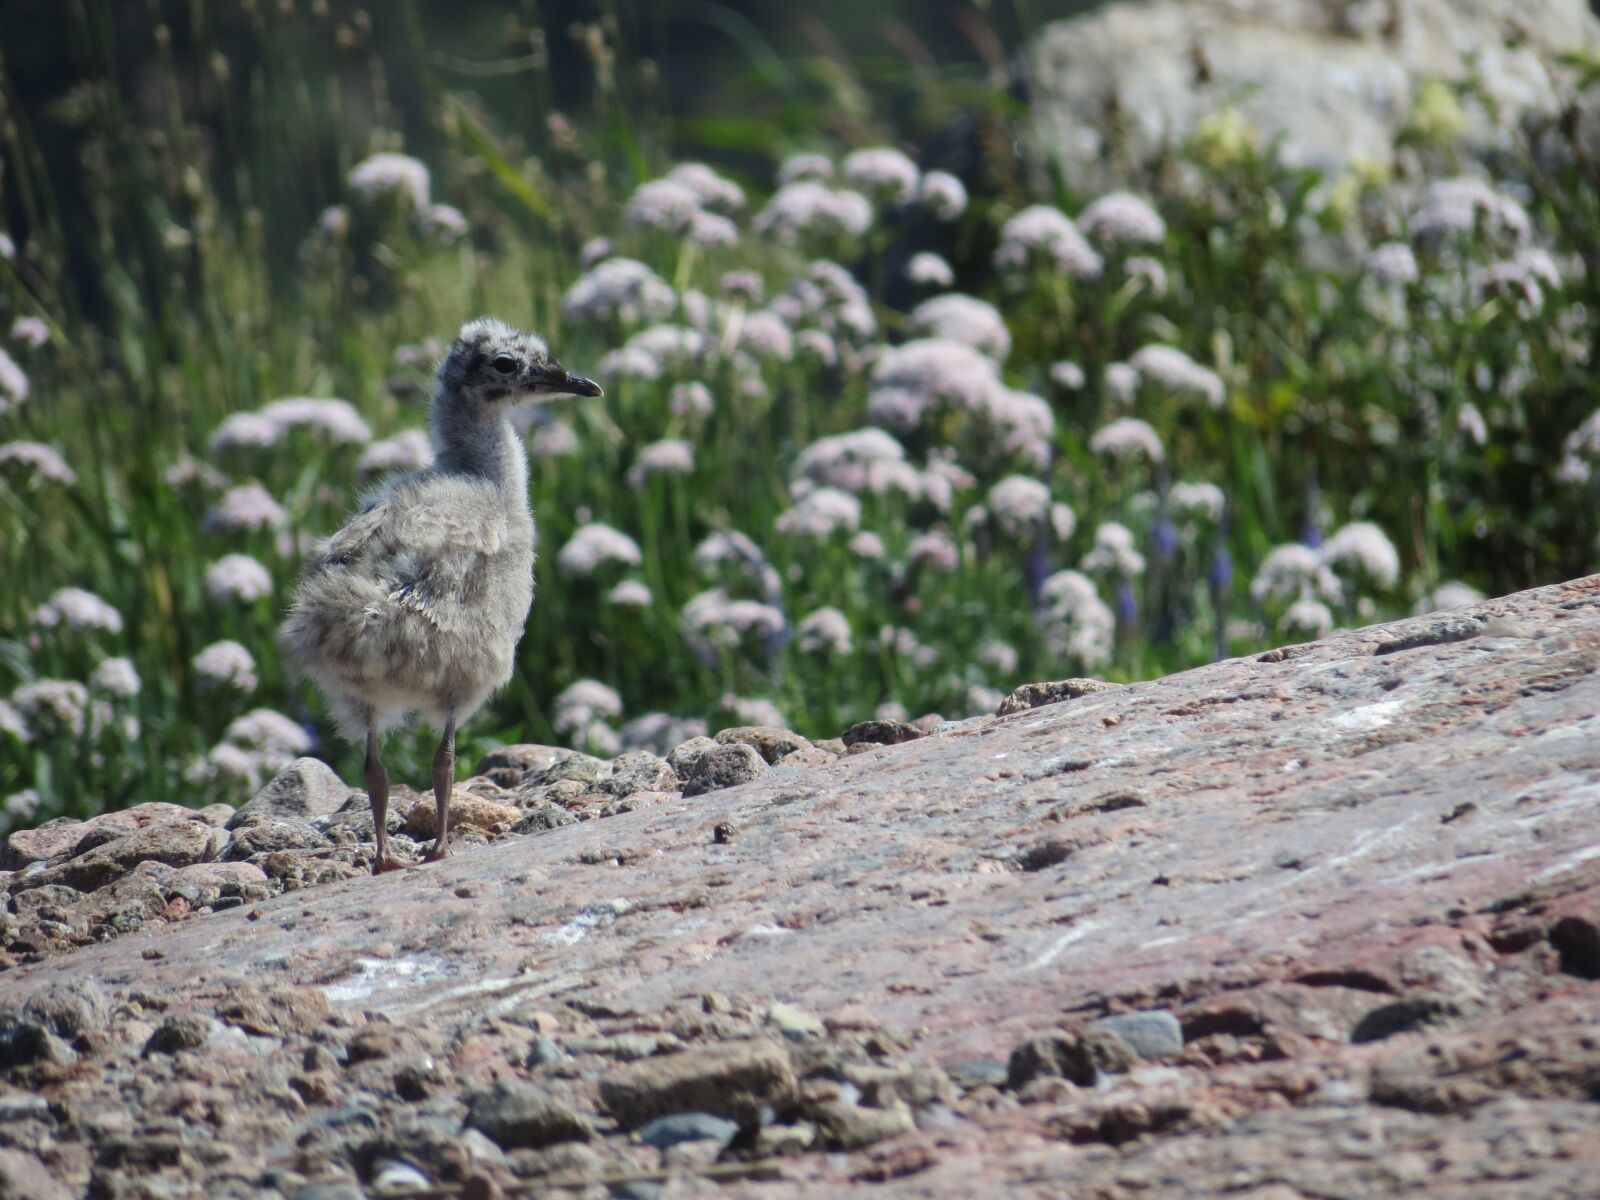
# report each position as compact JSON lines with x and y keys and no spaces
{"x":505,"y":364}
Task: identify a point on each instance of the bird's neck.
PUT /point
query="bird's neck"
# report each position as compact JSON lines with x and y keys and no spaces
{"x":475,"y":439}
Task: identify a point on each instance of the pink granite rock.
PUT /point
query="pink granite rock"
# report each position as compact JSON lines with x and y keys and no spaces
{"x":1358,"y":876}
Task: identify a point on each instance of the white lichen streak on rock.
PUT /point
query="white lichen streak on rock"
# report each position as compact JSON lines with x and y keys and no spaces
{"x":375,"y":975}
{"x":1053,"y":951}
{"x":1368,"y":717}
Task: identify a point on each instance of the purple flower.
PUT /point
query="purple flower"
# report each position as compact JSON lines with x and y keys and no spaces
{"x":819,"y":513}
{"x":866,"y":545}
{"x":248,"y":506}
{"x":553,"y":439}
{"x":883,"y":173}
{"x":766,"y":335}
{"x":1126,"y":439}
{"x":408,"y":450}
{"x":334,"y":421}
{"x":1113,"y":553}
{"x":596,"y":249}
{"x":23,"y":805}
{"x":238,"y":577}
{"x":711,"y":189}
{"x":619,"y":289}
{"x":75,"y":608}
{"x":1122,"y":218}
{"x":805,"y":166}
{"x":391,"y":174}
{"x":630,"y":593}
{"x":1197,"y":501}
{"x":13,"y":384}
{"x":1177,"y":372}
{"x":1076,"y":623}
{"x":1127,"y":606}
{"x":1363,"y":548}
{"x":944,"y":195}
{"x":12,"y":724}
{"x":37,"y":460}
{"x":1456,"y":206}
{"x":691,"y":399}
{"x":594,"y":545}
{"x":1164,"y":539}
{"x":1393,"y":265}
{"x":117,"y":676}
{"x":1581,"y":451}
{"x":659,"y":732}
{"x":52,"y":707}
{"x":250,"y":429}
{"x":742,"y":285}
{"x":270,"y":733}
{"x":1293,"y":572}
{"x":847,"y":460}
{"x":930,"y":377}
{"x":1020,"y":505}
{"x":671,"y":456}
{"x":583,"y":702}
{"x":935,"y":550}
{"x":1219,"y":575}
{"x":930,"y":270}
{"x":1042,"y":236}
{"x":229,"y":663}
{"x":825,"y":631}
{"x":1307,"y":618}
{"x":1447,"y":596}
{"x":714,"y":621}
{"x":30,"y":331}
{"x":1067,"y":375}
{"x":806,"y":207}
{"x":651,"y":352}
{"x":444,"y":222}
{"x":965,"y":319}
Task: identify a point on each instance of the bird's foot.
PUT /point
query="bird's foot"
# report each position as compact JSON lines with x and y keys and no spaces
{"x":436,"y":853}
{"x":387,"y":863}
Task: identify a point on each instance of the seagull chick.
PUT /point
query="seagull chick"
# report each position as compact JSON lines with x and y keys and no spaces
{"x":417,"y":604}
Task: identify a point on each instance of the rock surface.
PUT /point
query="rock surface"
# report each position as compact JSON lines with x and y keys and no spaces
{"x":1325,"y":921}
{"x":1037,"y":695}
{"x":1337,"y":79}
{"x":724,"y":767}
{"x":306,"y":788}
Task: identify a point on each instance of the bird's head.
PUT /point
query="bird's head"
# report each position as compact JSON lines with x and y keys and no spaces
{"x":491,"y":362}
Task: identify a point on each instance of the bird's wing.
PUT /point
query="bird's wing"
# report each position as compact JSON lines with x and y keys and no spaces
{"x":359,"y":535}
{"x":425,"y":544}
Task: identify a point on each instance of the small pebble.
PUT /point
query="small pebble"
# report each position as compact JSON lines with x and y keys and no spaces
{"x":391,"y":1175}
{"x":329,"y":1191}
{"x":545,"y":1051}
{"x":687,"y":1127}
{"x":1152,"y":1034}
{"x":794,"y":1023}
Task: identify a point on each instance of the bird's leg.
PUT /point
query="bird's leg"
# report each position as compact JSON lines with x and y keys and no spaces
{"x":444,"y":781}
{"x":378,"y":794}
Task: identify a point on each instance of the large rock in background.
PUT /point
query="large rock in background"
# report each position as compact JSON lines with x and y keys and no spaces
{"x":1337,"y":78}
{"x":1343,"y":899}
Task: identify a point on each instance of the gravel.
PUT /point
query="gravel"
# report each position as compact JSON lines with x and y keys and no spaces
{"x":519,"y":1115}
{"x":1152,"y":1034}
{"x":724,"y":767}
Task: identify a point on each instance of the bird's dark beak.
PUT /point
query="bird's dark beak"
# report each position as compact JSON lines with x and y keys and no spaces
{"x":556,"y":380}
{"x":577,"y":385}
